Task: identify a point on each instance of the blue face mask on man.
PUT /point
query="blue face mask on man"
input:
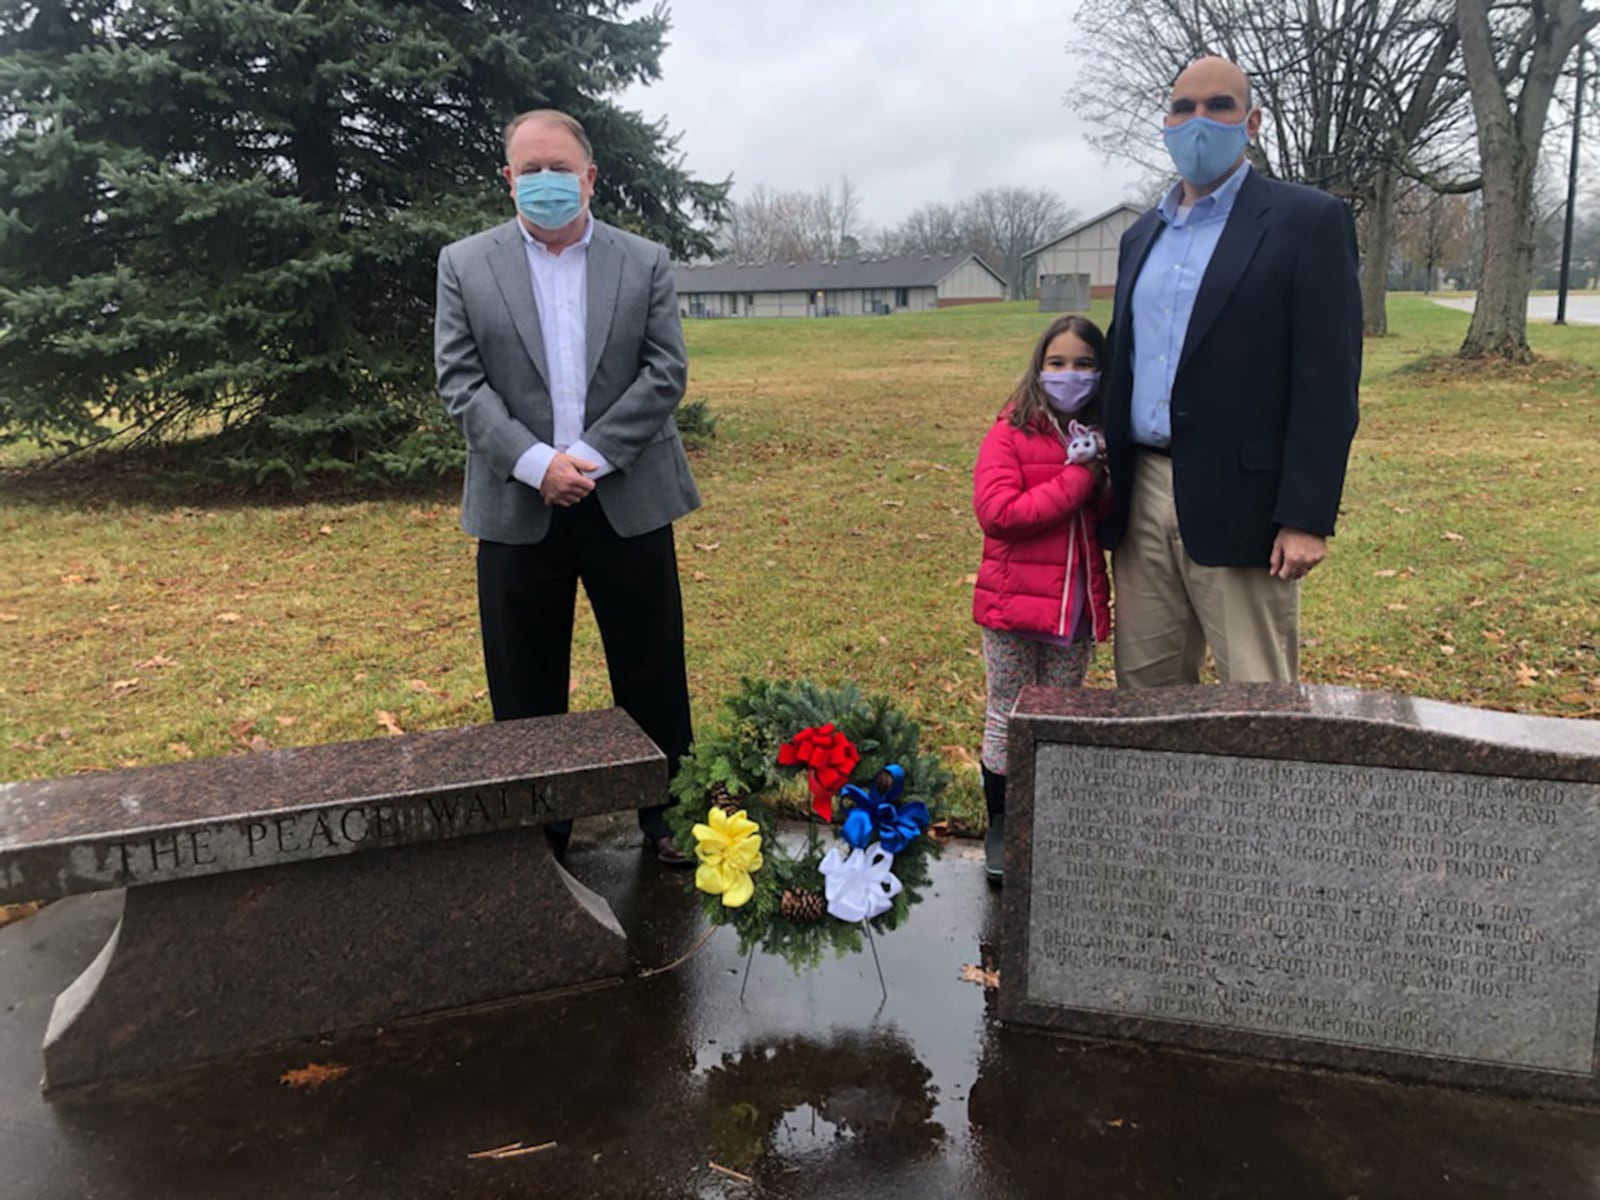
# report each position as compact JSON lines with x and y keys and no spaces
{"x":550,"y":199}
{"x":1203,"y":150}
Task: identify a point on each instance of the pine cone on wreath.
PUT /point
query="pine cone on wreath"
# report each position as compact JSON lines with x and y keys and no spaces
{"x":722,"y":798}
{"x":804,"y":907}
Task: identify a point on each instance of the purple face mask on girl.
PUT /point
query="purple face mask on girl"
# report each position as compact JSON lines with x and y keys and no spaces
{"x":1069,"y":391}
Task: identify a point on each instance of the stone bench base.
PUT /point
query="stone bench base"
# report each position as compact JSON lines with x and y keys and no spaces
{"x":204,"y":967}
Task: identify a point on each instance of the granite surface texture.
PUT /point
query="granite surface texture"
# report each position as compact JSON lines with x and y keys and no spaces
{"x":207,"y":967}
{"x":184,"y":820}
{"x":1348,"y":879}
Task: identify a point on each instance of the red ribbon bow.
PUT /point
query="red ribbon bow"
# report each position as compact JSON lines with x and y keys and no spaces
{"x":829,"y":756}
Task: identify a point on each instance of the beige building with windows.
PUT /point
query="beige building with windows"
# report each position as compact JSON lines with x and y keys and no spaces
{"x":1087,"y":249}
{"x":849,"y":288}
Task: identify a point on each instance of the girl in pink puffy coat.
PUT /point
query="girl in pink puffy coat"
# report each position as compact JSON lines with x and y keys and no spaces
{"x":1042,"y":598}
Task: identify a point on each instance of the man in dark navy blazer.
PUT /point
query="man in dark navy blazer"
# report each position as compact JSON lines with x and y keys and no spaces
{"x":1230,"y":400}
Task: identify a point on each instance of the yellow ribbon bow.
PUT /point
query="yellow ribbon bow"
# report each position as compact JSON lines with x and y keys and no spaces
{"x":729,"y":849}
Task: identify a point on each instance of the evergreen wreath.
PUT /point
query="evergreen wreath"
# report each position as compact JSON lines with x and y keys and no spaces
{"x":864,"y":754}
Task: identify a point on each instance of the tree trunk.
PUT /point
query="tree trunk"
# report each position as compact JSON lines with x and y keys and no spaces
{"x":1508,"y":147}
{"x":1500,"y":315}
{"x":1376,"y":253}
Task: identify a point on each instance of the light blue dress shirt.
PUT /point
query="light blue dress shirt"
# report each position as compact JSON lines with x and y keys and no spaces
{"x":1163,"y":301}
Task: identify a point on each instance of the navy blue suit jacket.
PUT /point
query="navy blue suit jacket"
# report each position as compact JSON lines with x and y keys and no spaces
{"x":1264,"y":402}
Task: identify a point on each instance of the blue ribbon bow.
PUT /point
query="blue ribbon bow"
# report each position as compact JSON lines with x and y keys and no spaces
{"x":875,"y":814}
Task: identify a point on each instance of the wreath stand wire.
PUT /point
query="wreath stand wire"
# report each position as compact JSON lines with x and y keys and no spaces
{"x":750,"y":957}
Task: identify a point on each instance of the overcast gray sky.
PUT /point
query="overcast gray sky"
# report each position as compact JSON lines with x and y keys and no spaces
{"x":915,"y":100}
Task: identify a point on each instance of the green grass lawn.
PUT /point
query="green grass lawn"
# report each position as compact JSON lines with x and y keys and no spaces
{"x":836,"y":543}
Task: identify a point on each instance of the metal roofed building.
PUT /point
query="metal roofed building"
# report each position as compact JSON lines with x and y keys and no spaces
{"x":847,"y":288}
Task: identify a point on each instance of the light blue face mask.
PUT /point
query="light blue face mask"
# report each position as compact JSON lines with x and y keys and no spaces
{"x":1203,"y":150}
{"x":550,"y":199}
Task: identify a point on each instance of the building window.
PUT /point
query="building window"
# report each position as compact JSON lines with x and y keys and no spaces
{"x":902,"y":297}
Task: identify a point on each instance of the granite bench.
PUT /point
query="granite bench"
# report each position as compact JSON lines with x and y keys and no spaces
{"x":286,"y":894}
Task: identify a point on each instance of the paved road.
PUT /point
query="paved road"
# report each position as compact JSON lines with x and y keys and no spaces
{"x":1581,"y":310}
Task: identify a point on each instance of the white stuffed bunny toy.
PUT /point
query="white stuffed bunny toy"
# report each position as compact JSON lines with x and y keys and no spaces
{"x":1083,"y":444}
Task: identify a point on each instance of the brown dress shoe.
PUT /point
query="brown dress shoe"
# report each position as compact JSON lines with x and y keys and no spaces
{"x":667,"y":851}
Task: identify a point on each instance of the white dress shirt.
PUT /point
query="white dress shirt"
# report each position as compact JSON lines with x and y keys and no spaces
{"x":561,"y":292}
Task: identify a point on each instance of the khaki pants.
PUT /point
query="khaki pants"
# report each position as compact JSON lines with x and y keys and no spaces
{"x":1169,"y":608}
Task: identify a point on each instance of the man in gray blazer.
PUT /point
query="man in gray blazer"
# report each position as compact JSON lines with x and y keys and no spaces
{"x":560,"y":357}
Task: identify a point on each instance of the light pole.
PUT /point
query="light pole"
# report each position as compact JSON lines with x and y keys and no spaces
{"x":1572,"y":194}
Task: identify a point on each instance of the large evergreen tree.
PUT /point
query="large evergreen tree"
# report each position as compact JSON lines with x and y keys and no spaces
{"x":224,"y":214}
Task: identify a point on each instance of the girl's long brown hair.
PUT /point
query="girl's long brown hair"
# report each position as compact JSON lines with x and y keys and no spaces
{"x":1028,"y":406}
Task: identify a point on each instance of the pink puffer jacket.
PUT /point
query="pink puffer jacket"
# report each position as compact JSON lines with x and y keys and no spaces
{"x":1037,"y":513}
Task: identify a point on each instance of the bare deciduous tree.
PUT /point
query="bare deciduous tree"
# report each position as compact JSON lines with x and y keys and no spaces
{"x":796,"y":226}
{"x":1514,"y":58}
{"x":1013,"y":220}
{"x":930,"y":229}
{"x":1433,"y":232}
{"x":1000,"y":225}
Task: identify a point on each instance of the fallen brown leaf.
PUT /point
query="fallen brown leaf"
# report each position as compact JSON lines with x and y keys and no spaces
{"x":156,"y":663}
{"x":123,"y":687}
{"x":708,"y":547}
{"x":227,"y":618}
{"x":179,"y":750}
{"x":989,"y":978}
{"x":313,"y":1075}
{"x":1453,"y":537}
{"x":285,"y":722}
{"x":10,"y":618}
{"x":1526,"y":675}
{"x":387,"y":722}
{"x":15,"y":912}
{"x":957,"y":753}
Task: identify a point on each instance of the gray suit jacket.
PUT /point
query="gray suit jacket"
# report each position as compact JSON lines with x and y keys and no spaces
{"x":490,"y":359}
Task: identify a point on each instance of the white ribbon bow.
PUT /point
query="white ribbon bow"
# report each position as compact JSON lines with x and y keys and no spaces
{"x":859,"y":886}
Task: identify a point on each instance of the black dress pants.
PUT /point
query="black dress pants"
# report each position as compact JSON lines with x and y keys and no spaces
{"x":526,"y":597}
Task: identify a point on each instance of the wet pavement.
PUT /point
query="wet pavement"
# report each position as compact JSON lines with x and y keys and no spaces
{"x":811,"y":1087}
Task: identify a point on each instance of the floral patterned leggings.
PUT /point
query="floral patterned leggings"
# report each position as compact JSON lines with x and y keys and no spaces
{"x":1012,"y":662}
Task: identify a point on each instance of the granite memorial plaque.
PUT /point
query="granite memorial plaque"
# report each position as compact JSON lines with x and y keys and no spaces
{"x":1314,"y":874}
{"x":283,"y":895}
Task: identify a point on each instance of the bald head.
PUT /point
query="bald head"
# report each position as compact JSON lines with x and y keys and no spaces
{"x":1209,"y":124}
{"x":1206,"y":81}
